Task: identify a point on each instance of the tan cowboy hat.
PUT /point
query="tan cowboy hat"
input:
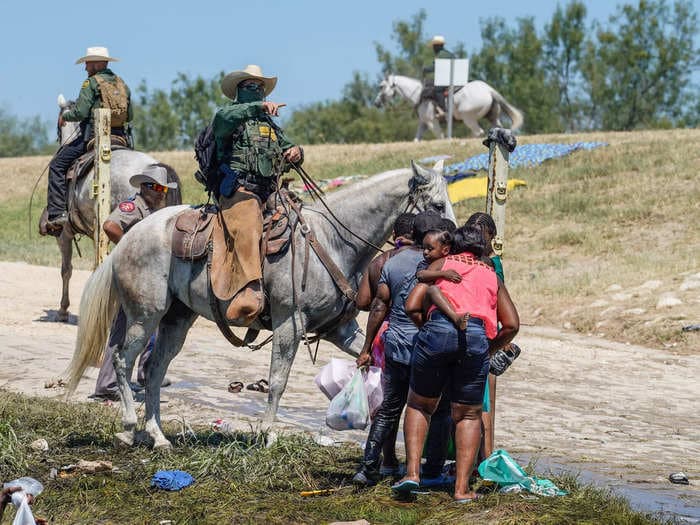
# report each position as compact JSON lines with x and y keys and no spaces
{"x":152,"y":173}
{"x":229,"y":84}
{"x":96,"y":54}
{"x":437,"y":40}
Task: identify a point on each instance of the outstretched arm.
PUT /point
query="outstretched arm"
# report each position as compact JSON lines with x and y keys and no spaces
{"x":430,"y":276}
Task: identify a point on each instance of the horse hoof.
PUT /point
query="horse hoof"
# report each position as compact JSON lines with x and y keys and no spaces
{"x":163,"y":445}
{"x":62,"y":316}
{"x":124,"y":439}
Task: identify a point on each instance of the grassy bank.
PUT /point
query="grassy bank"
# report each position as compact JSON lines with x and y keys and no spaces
{"x":239,"y":479}
{"x":592,"y":243}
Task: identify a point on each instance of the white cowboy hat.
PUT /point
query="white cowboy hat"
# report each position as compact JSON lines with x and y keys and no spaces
{"x":437,"y":40}
{"x":152,"y":173}
{"x":96,"y":54}
{"x":229,"y":84}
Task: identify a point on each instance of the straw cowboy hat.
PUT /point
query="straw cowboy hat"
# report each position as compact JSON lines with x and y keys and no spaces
{"x":229,"y":84}
{"x":438,"y":40}
{"x":152,"y":173}
{"x":96,"y":54}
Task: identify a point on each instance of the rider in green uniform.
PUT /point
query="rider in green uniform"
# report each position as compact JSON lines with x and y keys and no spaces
{"x":430,"y":90}
{"x":252,"y":152}
{"x":101,"y":89}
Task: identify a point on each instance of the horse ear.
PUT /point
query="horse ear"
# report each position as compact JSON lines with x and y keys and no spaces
{"x":61,"y":101}
{"x":439,"y":166}
{"x":421,"y":175}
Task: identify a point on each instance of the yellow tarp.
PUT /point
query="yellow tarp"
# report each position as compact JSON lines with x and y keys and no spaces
{"x":475,"y":187}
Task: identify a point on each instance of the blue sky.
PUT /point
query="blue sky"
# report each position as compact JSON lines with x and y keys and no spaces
{"x":313,"y":46}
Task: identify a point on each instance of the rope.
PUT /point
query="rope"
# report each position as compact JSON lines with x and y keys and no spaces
{"x":314,"y":187}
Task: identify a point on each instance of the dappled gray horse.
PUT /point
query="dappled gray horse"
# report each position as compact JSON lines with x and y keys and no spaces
{"x":474,"y":101}
{"x":124,"y":164}
{"x":170,"y":293}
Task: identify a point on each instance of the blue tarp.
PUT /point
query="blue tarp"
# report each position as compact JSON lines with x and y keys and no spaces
{"x":525,"y":155}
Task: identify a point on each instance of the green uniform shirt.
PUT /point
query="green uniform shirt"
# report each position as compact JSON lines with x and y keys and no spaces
{"x":231,"y":119}
{"x":89,"y":99}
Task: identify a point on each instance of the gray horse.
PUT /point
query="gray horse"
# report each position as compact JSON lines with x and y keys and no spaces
{"x":124,"y":164}
{"x":156,"y":289}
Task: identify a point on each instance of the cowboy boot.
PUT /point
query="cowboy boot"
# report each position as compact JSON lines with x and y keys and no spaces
{"x":246,"y":305}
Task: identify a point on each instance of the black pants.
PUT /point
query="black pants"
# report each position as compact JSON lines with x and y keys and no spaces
{"x":396,"y":384}
{"x":58,"y":168}
{"x":439,"y":432}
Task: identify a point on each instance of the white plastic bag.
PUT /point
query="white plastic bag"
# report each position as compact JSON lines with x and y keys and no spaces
{"x":337,"y":373}
{"x":334,"y":376}
{"x":31,"y":486}
{"x":373,"y":386}
{"x":349,"y":409}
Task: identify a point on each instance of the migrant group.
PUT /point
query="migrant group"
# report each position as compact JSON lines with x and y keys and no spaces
{"x":440,"y":319}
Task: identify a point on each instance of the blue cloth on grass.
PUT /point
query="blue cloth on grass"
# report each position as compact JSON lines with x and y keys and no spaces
{"x":524,"y":155}
{"x":171,"y":479}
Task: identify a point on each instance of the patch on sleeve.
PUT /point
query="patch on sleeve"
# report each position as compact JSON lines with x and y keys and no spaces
{"x":85,"y":84}
{"x":127,"y":206}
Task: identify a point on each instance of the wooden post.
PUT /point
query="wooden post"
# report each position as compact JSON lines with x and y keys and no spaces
{"x":497,"y":191}
{"x":101,"y":186}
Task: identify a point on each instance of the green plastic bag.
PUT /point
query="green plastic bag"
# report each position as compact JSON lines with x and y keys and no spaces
{"x":502,"y":469}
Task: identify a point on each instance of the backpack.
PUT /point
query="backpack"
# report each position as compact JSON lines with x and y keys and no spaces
{"x":206,"y":154}
{"x":114,"y":96}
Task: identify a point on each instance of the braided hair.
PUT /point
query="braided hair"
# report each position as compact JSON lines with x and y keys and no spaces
{"x":484,"y":222}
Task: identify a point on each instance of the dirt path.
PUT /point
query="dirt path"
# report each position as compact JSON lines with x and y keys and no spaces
{"x":626,"y":412}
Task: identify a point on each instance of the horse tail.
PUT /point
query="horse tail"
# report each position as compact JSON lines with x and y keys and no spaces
{"x":514,"y":114}
{"x":98,"y":306}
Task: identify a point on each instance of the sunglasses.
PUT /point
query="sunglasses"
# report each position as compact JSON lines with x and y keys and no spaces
{"x":156,"y":187}
{"x":251,"y":86}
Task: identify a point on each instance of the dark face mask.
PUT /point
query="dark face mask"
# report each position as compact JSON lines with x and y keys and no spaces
{"x":250,"y":93}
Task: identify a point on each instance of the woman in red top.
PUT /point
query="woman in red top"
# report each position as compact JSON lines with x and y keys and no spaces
{"x":445,"y":354}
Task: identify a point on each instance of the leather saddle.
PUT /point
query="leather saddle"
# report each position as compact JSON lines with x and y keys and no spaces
{"x":79,"y":169}
{"x":86,"y":161}
{"x":194,"y":227}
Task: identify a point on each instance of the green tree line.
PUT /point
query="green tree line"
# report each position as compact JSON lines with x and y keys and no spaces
{"x":632,"y":71}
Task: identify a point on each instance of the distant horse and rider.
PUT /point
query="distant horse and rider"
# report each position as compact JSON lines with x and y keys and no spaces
{"x":474,"y":101}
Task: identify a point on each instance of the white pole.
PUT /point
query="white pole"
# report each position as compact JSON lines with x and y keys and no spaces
{"x":101,"y":186}
{"x":449,"y":99}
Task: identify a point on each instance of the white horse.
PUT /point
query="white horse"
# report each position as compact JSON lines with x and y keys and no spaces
{"x":170,"y":293}
{"x":474,"y":101}
{"x":124,"y":164}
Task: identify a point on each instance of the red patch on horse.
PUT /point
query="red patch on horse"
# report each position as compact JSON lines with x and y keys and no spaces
{"x":127,"y":206}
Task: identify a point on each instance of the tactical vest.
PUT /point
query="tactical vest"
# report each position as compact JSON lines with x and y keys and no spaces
{"x":257,"y":151}
{"x":114,"y":96}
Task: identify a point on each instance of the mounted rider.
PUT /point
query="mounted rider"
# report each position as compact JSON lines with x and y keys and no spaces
{"x":252,"y":151}
{"x":430,"y":91}
{"x":102,"y":89}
